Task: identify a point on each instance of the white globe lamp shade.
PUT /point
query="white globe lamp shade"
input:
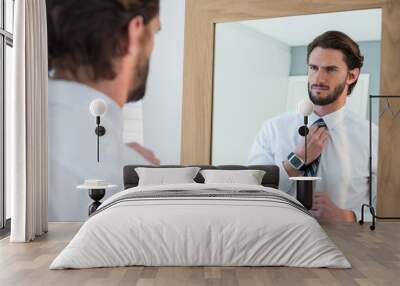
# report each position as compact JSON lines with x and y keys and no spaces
{"x":98,"y":107}
{"x":305,"y":107}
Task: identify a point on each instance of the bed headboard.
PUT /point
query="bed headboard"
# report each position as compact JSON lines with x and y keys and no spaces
{"x":270,"y":179}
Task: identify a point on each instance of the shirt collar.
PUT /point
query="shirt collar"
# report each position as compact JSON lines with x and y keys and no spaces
{"x":332,"y":119}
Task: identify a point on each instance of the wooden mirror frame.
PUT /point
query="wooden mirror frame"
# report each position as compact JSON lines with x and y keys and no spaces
{"x":197,"y":103}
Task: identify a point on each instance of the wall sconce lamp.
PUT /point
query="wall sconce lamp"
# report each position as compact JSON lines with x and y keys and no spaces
{"x":304,"y":185}
{"x":98,"y":108}
{"x":305,"y":108}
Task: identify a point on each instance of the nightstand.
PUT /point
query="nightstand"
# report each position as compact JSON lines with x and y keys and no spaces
{"x":97,"y":190}
{"x":305,"y":190}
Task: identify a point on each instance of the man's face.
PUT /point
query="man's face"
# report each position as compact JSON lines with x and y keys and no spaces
{"x":142,"y":68}
{"x":327,"y":76}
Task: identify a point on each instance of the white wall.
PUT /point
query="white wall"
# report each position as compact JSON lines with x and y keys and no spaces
{"x":250,"y":86}
{"x":163,"y":102}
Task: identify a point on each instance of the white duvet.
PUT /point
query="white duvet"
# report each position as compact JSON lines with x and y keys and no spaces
{"x":200,"y":231}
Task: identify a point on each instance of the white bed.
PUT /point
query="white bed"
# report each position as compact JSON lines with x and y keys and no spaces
{"x":200,"y":231}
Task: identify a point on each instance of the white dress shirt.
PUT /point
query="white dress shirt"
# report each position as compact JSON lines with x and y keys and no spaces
{"x":343,"y":166}
{"x":73,"y":151}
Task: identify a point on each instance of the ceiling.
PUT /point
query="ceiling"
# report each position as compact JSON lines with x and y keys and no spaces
{"x":360,"y":25}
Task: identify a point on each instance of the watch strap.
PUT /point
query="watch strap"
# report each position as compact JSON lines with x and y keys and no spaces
{"x":293,"y":156}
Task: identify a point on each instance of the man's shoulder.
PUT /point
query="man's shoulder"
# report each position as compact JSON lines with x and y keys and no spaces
{"x":360,"y":125}
{"x":358,"y":120}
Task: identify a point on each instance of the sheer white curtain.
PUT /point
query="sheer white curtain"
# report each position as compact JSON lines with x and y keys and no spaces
{"x":26,"y":123}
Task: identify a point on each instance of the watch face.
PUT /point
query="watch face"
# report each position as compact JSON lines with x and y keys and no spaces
{"x":296,"y":162}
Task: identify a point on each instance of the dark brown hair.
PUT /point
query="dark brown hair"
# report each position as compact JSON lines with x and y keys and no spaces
{"x":90,"y":34}
{"x":339,"y":41}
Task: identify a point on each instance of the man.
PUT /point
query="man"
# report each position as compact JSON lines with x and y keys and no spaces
{"x":98,"y":49}
{"x":337,"y":149}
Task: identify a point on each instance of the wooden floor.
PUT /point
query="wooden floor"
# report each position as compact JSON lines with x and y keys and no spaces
{"x":375,"y":257}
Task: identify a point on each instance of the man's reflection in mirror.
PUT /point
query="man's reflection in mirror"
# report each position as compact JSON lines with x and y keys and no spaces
{"x":337,"y":149}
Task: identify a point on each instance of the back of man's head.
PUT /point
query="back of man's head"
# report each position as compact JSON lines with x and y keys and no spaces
{"x":339,"y":41}
{"x":90,"y":34}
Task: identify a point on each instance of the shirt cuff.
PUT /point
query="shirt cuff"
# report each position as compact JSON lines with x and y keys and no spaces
{"x":285,"y":184}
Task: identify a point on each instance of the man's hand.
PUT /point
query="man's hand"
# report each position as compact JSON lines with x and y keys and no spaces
{"x":316,"y":141}
{"x":145,"y":153}
{"x":326,"y":211}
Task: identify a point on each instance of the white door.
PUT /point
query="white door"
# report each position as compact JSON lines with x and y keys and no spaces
{"x":133,"y":123}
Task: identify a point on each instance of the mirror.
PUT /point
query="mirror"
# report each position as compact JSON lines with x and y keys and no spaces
{"x":260,"y":71}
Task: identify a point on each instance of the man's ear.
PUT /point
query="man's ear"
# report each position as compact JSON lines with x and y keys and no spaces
{"x":353,"y":75}
{"x":135,"y":32}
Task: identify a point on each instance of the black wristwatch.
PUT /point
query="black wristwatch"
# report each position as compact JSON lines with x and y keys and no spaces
{"x":295,"y":161}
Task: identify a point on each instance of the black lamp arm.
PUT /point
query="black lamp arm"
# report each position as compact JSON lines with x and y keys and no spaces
{"x":303,"y":131}
{"x":100,"y":131}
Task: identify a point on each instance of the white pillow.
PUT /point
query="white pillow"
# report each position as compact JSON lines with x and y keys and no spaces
{"x":165,"y":176}
{"x":248,"y":177}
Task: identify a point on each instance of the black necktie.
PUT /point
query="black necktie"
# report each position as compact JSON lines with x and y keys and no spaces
{"x":312,"y":168}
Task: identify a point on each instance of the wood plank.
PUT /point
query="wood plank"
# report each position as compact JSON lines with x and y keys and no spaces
{"x":375,"y":258}
{"x":388,"y":199}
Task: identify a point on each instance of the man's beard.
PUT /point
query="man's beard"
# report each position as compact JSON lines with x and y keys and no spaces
{"x":330,"y":98}
{"x":138,"y":92}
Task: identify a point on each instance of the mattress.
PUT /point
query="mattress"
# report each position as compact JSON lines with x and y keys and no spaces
{"x":201,"y":225}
